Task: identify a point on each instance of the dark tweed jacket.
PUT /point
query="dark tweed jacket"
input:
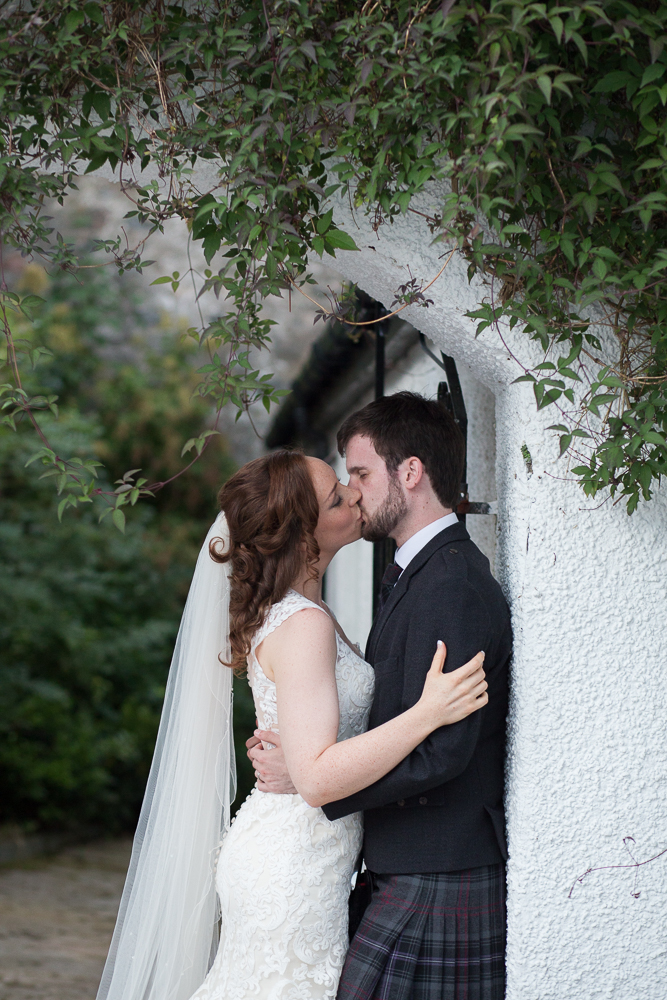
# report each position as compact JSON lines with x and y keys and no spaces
{"x":440,"y":809}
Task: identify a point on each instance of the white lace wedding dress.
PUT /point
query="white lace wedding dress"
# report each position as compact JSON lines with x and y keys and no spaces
{"x":283,"y":874}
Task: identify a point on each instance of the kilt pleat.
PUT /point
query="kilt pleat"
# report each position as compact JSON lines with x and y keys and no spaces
{"x":430,"y":937}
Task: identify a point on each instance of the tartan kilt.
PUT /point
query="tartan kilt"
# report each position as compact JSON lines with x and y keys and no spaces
{"x":430,"y":937}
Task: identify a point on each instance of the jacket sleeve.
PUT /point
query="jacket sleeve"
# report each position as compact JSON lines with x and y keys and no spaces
{"x":463,"y":623}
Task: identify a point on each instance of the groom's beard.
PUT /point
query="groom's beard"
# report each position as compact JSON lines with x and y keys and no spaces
{"x":377,"y":526}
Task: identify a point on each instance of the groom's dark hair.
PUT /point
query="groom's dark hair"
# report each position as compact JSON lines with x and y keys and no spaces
{"x":407,"y":424}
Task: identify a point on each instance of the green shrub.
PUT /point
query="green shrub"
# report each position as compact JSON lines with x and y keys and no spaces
{"x":88,"y":616}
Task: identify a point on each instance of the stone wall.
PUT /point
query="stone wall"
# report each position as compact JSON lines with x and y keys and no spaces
{"x":97,"y":211}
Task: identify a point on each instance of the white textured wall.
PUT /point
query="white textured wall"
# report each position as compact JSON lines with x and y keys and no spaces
{"x":587,"y":756}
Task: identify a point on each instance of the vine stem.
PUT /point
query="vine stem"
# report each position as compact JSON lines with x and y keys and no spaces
{"x":604,"y":868}
{"x":368,"y":322}
{"x":560,"y":191}
{"x":14,"y":365}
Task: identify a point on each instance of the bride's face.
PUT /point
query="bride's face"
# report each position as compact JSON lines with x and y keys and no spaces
{"x":340,"y":519}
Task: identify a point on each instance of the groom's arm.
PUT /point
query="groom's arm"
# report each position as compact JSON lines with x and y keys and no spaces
{"x":464,"y":625}
{"x":269,"y":765}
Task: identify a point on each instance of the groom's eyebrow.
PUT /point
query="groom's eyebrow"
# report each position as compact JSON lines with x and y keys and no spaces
{"x":355,"y":469}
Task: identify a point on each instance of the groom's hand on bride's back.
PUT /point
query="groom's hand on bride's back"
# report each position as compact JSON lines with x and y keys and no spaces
{"x":269,"y":765}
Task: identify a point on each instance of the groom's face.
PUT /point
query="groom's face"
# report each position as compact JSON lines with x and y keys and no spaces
{"x":383,"y":504}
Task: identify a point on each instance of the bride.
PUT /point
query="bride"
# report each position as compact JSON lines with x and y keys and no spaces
{"x":267,"y":917}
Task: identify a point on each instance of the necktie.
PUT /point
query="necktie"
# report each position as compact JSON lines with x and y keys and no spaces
{"x":389,"y":579}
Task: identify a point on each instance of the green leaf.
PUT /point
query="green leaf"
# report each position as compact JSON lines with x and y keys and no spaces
{"x":309,"y":50}
{"x":565,"y":442}
{"x":94,"y":12}
{"x":519,"y":131}
{"x":568,"y":373}
{"x":557,"y":25}
{"x":645,"y":477}
{"x":340,"y":240}
{"x":652,"y":73}
{"x":102,"y":104}
{"x":211,"y":245}
{"x":612,"y":380}
{"x":609,"y":178}
{"x":600,"y":400}
{"x":324,"y":222}
{"x":73,"y":20}
{"x":590,"y":206}
{"x":612,"y":82}
{"x":599,"y":268}
{"x":31,"y":306}
{"x":118,"y":518}
{"x":403,"y":199}
{"x":544,"y":83}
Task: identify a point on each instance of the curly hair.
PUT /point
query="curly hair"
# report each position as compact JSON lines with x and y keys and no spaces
{"x":272,"y":512}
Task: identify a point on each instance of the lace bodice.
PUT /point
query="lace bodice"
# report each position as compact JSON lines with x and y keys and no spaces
{"x":354,"y":677}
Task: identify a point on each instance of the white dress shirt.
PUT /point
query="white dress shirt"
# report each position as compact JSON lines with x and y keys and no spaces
{"x":416,"y":542}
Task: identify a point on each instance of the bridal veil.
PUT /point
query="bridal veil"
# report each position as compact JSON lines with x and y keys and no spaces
{"x":166,"y":933}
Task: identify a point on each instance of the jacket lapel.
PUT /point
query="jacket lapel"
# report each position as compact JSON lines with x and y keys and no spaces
{"x":455,"y":533}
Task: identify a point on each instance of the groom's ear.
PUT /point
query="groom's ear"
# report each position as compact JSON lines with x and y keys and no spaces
{"x":411,"y":472}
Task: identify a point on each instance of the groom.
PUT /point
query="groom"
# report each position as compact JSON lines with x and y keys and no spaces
{"x":434,"y":826}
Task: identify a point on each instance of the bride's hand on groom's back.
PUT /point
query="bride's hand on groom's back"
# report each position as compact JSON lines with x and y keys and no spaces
{"x":269,"y":765}
{"x":452,"y":696}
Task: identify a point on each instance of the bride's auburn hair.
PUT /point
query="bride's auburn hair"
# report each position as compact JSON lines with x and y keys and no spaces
{"x":272,"y":512}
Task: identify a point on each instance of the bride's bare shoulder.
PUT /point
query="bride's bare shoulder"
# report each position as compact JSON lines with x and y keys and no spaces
{"x":306,"y":632}
{"x":306,"y":620}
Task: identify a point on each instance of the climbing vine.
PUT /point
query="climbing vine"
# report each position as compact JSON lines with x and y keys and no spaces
{"x":542,"y":125}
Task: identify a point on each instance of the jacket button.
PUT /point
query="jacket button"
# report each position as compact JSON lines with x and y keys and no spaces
{"x":454,"y":551}
{"x":422,"y":800}
{"x":401,"y":802}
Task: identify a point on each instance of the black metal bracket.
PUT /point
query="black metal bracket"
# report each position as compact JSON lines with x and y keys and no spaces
{"x":450,"y":395}
{"x":383,"y":552}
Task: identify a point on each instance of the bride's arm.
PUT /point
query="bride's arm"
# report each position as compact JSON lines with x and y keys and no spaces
{"x":301,"y":655}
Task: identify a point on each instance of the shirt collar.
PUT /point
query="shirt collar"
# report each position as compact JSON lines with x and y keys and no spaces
{"x":416,"y":542}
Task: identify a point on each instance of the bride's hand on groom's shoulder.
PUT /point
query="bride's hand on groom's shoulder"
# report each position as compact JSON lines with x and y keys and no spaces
{"x":269,"y":765}
{"x":452,"y":696}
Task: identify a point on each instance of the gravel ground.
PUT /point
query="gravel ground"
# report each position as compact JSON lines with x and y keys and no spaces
{"x":56,"y":919}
